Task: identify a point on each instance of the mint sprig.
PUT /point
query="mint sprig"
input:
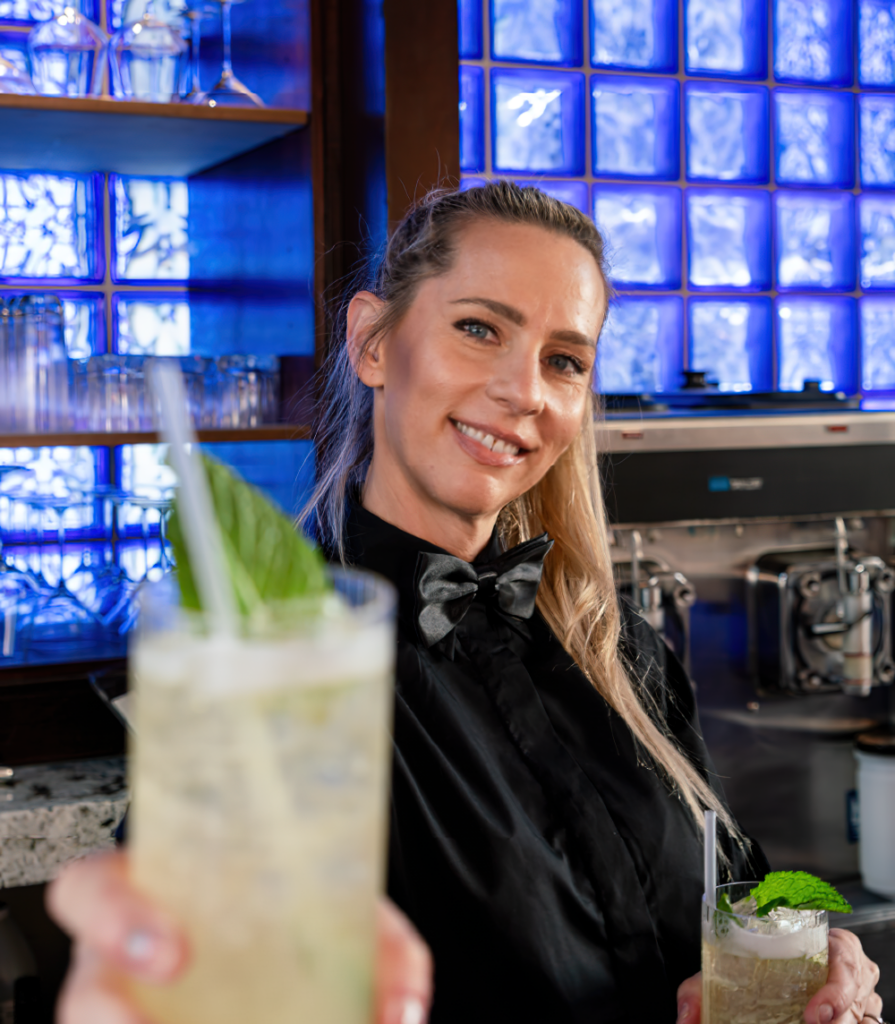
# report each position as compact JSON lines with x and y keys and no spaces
{"x":268,"y":561}
{"x":798,"y":890}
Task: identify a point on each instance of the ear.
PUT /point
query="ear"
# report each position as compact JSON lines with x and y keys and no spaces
{"x":363,"y":311}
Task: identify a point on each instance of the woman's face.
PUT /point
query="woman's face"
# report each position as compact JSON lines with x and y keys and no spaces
{"x":483,"y":384}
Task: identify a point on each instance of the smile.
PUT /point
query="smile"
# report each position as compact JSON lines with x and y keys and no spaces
{"x":495,"y":444}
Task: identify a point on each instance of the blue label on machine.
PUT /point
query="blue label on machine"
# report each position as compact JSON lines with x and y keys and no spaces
{"x":852,"y":816}
{"x":719,"y":483}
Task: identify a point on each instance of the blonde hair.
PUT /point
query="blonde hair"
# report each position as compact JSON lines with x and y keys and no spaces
{"x":577,"y":596}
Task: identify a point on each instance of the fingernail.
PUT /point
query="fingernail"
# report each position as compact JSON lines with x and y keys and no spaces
{"x":151,"y":953}
{"x":683,"y":1012}
{"x":825,"y":1014}
{"x":141,"y":946}
{"x":406,"y":1010}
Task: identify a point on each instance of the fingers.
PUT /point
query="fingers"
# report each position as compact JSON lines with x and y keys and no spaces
{"x":689,"y":1000}
{"x":89,"y":998}
{"x":403,"y":969}
{"x":850,"y":983}
{"x":95,"y":903}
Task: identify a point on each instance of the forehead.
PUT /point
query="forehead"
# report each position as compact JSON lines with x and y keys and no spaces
{"x":541,"y":272}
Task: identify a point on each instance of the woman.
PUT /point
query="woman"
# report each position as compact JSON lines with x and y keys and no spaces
{"x":549,"y":772}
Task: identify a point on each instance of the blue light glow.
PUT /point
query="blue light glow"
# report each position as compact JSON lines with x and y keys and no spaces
{"x":641,"y":345}
{"x":814,"y":137}
{"x":816,"y":341}
{"x":730,"y":339}
{"x":472,"y":118}
{"x":537,"y":122}
{"x":876,"y":117}
{"x":876,"y":42}
{"x":642,"y":229}
{"x":634,"y":34}
{"x":537,"y":31}
{"x":815,"y":240}
{"x":635,"y":131}
{"x":469,"y":29}
{"x":727,"y":37}
{"x":876,"y":219}
{"x":813,"y":41}
{"x":728,"y":238}
{"x":727,"y":131}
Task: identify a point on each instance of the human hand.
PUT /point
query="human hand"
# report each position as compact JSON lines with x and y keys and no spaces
{"x":116,"y":931}
{"x":846,"y":998}
{"x":849,"y":993}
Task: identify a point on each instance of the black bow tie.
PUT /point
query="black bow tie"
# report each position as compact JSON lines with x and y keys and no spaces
{"x":446,"y":586}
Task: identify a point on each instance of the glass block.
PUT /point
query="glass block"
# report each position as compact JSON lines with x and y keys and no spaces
{"x":815,"y":239}
{"x":151,"y":240}
{"x":57,"y":471}
{"x":813,"y":41}
{"x":537,"y":31}
{"x":49,"y":227}
{"x":284,"y":470}
{"x":814,"y":137}
{"x":142,"y":469}
{"x":876,"y":218}
{"x":537,"y":121}
{"x":635,"y":131}
{"x":572,"y":192}
{"x":14,"y":48}
{"x":641,"y":226}
{"x":876,"y":42}
{"x":816,"y":341}
{"x":876,"y":315}
{"x":84,"y":324}
{"x":727,"y":37}
{"x":727,"y":132}
{"x":641,"y":346}
{"x":634,"y":34}
{"x":876,"y":120}
{"x":467,"y":182}
{"x":472,"y":118}
{"x":152,"y":325}
{"x":728,"y":238}
{"x":469,"y":29}
{"x":732,"y":341}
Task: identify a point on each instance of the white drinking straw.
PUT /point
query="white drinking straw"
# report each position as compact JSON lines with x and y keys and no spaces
{"x":711,"y":857}
{"x":201,"y":532}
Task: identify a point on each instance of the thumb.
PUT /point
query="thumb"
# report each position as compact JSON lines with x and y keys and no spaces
{"x":403,"y":969}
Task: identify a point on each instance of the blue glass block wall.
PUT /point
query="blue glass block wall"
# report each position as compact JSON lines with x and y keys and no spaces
{"x":739,"y":157}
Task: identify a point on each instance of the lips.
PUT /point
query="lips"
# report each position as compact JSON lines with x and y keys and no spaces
{"x":500,"y":445}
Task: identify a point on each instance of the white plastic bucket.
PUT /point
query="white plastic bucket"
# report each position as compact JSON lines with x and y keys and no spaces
{"x":876,"y":791}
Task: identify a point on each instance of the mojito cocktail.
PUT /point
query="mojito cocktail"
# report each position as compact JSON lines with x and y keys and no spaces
{"x":260,"y":778}
{"x":759,"y":970}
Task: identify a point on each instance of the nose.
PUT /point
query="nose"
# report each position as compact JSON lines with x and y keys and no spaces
{"x":517,"y":384}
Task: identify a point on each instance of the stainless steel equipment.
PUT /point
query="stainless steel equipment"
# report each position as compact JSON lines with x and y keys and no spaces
{"x":783,"y":529}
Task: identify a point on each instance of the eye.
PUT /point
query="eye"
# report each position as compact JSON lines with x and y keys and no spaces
{"x":475,"y":329}
{"x":566,"y":364}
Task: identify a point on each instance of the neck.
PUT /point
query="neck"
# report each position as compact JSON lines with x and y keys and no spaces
{"x":400,"y":505}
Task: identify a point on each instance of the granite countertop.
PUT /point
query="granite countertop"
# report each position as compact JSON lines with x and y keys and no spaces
{"x":53,"y":813}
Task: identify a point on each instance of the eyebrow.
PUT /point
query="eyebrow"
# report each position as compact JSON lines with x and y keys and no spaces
{"x":517,"y":317}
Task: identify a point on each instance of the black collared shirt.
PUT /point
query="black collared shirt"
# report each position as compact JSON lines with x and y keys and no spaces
{"x":544,"y":859}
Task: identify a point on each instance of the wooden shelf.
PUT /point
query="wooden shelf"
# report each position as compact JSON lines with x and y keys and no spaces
{"x":273,"y":432}
{"x":55,"y":133}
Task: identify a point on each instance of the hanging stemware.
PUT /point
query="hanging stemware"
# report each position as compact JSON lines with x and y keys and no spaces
{"x":229,"y":91}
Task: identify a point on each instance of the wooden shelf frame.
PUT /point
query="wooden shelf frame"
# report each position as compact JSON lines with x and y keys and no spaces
{"x":91,"y":134}
{"x":94,"y":439}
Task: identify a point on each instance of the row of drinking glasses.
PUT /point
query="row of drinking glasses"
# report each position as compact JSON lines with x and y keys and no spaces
{"x":63,"y":600}
{"x":43,"y":389}
{"x":148,"y":60}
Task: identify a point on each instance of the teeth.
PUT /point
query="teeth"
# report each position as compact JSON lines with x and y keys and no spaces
{"x":488,"y":440}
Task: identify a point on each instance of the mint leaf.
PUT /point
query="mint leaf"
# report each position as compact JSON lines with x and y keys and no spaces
{"x":798,"y":890}
{"x":268,"y":561}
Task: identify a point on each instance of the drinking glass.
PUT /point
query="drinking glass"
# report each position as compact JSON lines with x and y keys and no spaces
{"x":40,"y":382}
{"x":68,"y":55}
{"x":259,"y":772}
{"x":229,"y":91}
{"x":14,"y":80}
{"x":195,"y":16}
{"x":148,"y":58}
{"x":760,"y":970}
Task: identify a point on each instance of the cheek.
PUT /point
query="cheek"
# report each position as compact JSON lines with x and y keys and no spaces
{"x":566,"y":422}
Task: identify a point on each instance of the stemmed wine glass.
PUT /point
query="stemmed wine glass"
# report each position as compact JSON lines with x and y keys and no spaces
{"x":229,"y":91}
{"x":195,"y":15}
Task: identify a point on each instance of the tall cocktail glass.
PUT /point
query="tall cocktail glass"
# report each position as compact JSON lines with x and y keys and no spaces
{"x":759,"y":970}
{"x":260,"y":770}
